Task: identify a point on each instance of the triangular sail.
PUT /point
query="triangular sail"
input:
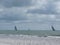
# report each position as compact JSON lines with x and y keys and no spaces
{"x":15,"y":28}
{"x":52,"y":28}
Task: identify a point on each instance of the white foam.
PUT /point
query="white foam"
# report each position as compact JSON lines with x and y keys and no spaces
{"x":54,"y":36}
{"x":28,"y":40}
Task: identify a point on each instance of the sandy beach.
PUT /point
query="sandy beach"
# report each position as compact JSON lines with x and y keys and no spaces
{"x":28,"y":40}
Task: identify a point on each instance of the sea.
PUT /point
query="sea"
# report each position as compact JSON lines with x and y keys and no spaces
{"x":39,"y":33}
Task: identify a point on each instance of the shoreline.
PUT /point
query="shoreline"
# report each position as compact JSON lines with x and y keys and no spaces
{"x":28,"y":40}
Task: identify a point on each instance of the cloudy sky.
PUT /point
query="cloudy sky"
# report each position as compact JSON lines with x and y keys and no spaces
{"x":29,"y":14}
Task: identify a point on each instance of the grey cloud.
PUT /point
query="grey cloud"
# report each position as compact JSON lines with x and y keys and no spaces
{"x":9,"y":15}
{"x":42,"y":11}
{"x":15,"y":3}
{"x":49,"y":8}
{"x":12,"y":17}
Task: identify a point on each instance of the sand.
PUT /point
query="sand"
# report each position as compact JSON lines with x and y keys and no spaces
{"x":28,"y":40}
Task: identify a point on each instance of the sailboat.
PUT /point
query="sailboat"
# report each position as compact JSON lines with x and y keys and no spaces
{"x":15,"y":28}
{"x":52,"y":28}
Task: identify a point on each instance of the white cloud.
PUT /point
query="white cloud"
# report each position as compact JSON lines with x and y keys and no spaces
{"x":57,"y":8}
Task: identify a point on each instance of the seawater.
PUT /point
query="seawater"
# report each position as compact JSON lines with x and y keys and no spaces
{"x":31,"y":32}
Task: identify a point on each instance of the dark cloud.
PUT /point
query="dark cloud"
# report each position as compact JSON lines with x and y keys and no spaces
{"x":15,"y":3}
{"x":10,"y":17}
{"x":41,"y":11}
{"x":49,"y":8}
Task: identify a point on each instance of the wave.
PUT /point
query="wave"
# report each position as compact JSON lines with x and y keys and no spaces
{"x":25,"y":36}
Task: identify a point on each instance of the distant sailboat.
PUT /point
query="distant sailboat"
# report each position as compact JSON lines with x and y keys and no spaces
{"x":15,"y":28}
{"x":52,"y":28}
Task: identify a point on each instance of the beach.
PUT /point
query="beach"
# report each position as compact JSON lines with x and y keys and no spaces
{"x":28,"y":40}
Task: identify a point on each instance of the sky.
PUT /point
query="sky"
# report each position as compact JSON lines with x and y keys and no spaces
{"x":29,"y":14}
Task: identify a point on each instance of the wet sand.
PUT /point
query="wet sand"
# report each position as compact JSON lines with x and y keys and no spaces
{"x":28,"y":40}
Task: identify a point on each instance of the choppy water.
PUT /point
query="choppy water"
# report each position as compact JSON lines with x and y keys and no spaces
{"x":32,"y":32}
